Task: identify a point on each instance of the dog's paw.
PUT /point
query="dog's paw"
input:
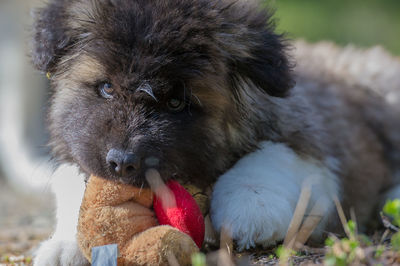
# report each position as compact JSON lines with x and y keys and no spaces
{"x":55,"y":252}
{"x":253,"y":216}
{"x":255,"y":200}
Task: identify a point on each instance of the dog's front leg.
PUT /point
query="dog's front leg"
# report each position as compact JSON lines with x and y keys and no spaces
{"x":256,"y":199}
{"x":62,"y":247}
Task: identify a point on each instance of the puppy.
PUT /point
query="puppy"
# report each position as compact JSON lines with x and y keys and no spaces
{"x":205,"y":91}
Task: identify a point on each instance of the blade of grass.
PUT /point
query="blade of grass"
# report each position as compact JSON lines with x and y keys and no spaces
{"x":309,"y":225}
{"x":298,"y":215}
{"x":342,"y":216}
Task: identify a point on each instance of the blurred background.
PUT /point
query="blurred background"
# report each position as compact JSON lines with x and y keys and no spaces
{"x":364,"y":23}
{"x":26,"y":205}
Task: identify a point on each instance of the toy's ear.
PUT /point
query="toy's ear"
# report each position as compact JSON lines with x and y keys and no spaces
{"x":50,"y":38}
{"x":260,"y":55}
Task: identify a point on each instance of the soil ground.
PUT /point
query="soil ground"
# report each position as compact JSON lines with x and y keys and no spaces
{"x":25,"y":220}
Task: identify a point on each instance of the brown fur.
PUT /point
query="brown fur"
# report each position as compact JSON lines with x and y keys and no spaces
{"x":225,"y":61}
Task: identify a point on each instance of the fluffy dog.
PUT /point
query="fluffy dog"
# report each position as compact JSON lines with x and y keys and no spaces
{"x":205,"y":89}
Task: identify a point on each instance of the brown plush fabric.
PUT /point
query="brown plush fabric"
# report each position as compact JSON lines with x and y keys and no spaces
{"x":114,"y":213}
{"x":160,"y":245}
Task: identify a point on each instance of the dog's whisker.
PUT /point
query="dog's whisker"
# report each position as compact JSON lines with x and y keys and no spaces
{"x":141,"y":188}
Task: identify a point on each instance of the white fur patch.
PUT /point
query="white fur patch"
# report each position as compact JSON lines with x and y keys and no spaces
{"x":256,"y":199}
{"x":62,"y":248}
{"x":58,"y":252}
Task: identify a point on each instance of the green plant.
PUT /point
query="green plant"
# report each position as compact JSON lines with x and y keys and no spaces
{"x":392,"y":209}
{"x":199,"y":259}
{"x":379,"y":251}
{"x":347,"y":250}
{"x":283,"y":254}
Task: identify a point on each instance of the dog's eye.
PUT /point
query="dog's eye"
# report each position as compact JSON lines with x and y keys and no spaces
{"x":106,"y":90}
{"x":176,"y":105}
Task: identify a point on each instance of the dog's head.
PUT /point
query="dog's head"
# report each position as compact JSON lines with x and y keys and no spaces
{"x":142,"y":83}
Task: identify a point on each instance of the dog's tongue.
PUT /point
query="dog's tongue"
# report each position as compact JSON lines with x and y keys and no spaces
{"x":179,"y":210}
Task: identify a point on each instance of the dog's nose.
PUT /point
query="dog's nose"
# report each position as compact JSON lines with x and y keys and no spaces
{"x":122,"y":163}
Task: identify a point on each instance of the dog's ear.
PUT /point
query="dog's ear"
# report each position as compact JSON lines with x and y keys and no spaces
{"x":50,"y":38}
{"x":267,"y":66}
{"x":257,"y":53}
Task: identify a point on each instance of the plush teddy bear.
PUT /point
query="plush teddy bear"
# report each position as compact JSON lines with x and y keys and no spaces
{"x":114,"y":213}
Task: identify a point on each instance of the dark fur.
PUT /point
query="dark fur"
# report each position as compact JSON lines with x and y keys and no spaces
{"x":225,"y":60}
{"x":197,"y":49}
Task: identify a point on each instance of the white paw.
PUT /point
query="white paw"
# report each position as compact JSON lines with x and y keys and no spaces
{"x":255,"y":200}
{"x":254,"y":216}
{"x":55,"y":252}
